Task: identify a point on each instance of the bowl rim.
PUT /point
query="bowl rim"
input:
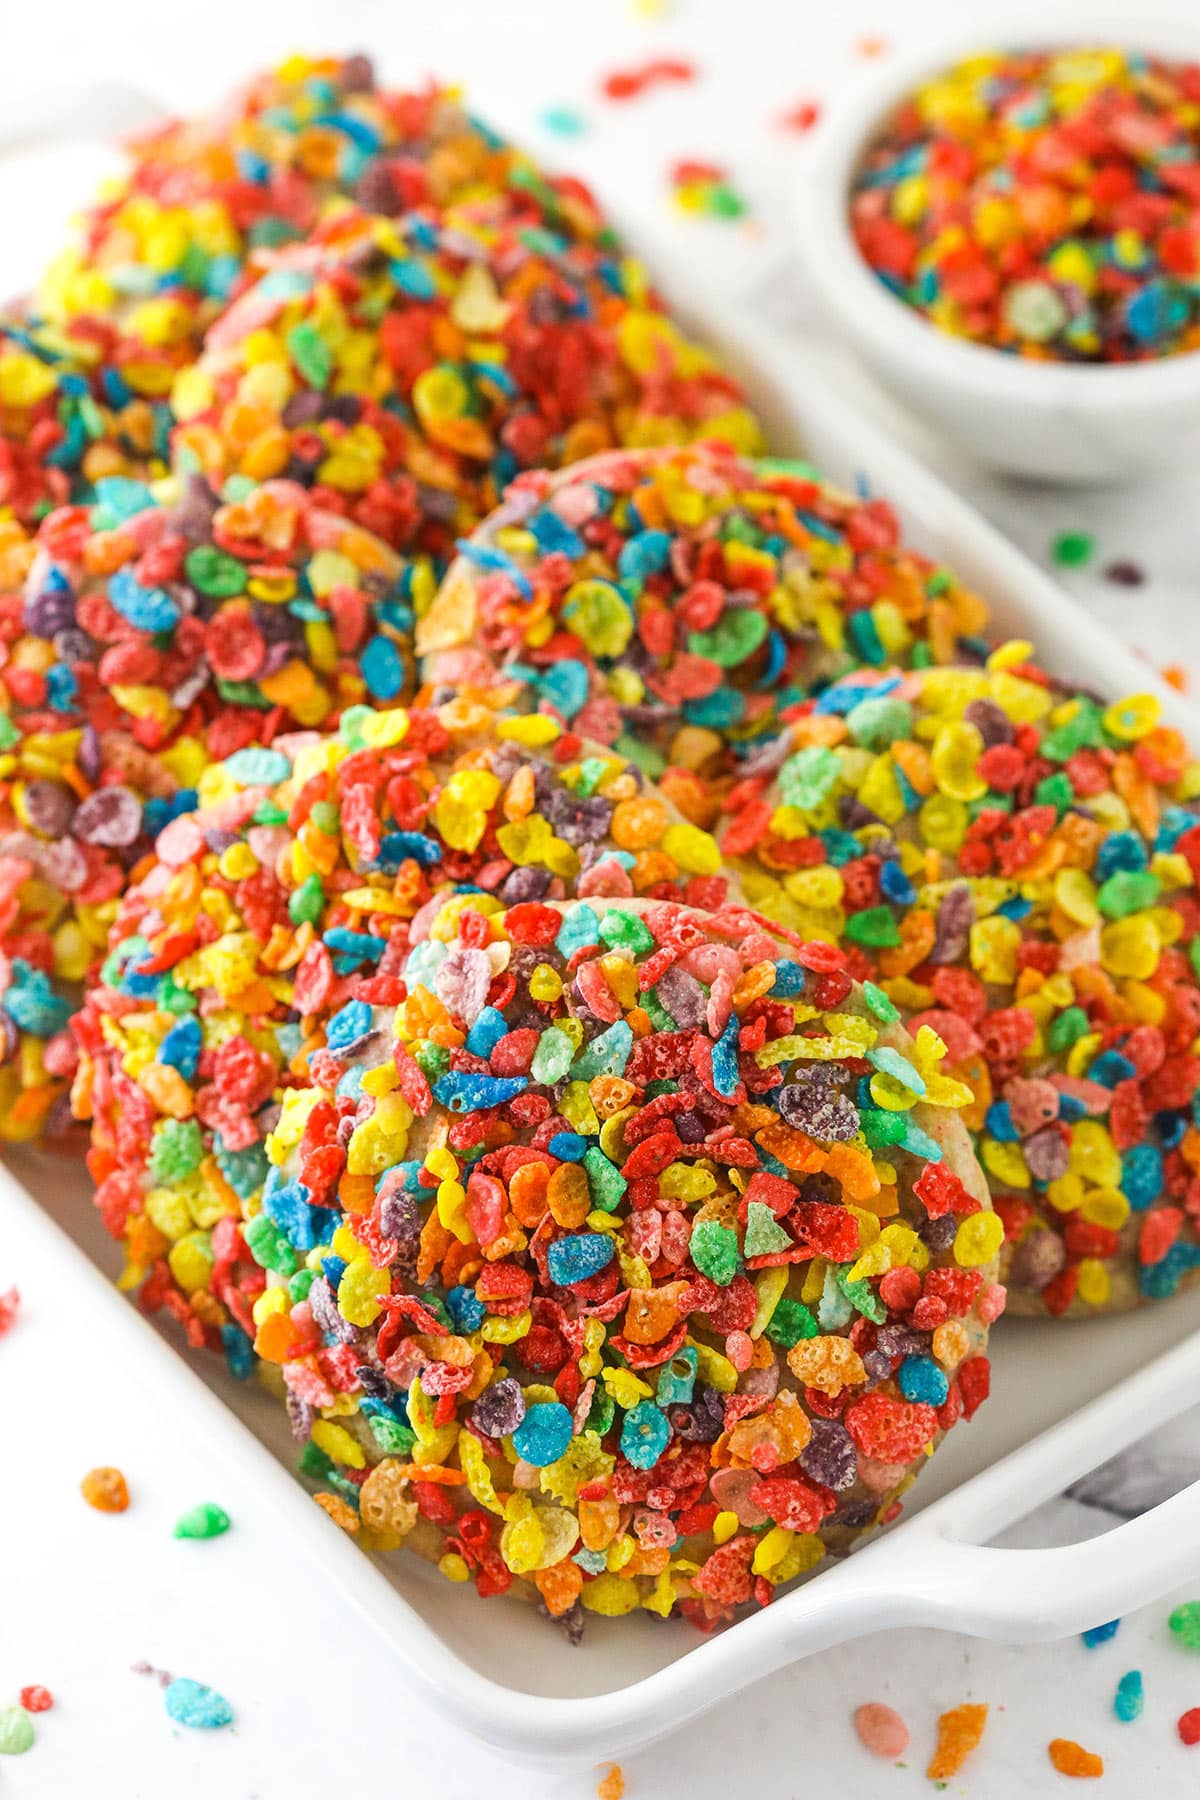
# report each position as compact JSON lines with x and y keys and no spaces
{"x":859,"y":300}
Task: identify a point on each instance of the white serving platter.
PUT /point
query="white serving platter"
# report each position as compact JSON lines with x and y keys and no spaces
{"x":1089,"y":1387}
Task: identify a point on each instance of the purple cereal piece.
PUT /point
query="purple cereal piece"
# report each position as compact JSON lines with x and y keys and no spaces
{"x":819,"y":1110}
{"x":683,"y":997}
{"x":829,"y":1455}
{"x":499,"y":1409}
{"x":938,"y":1234}
{"x":955,"y":917}
{"x":990,"y":721}
{"x":1038,"y":1258}
{"x":1047,"y":1154}
{"x":301,"y":1416}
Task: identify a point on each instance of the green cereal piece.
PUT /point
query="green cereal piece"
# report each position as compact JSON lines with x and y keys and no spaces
{"x":881,"y":1128}
{"x":176,"y":1150}
{"x":299,"y":1285}
{"x":735,"y":636}
{"x":205,"y":1521}
{"x":393,"y":1438}
{"x":433,"y":1060}
{"x":1068,"y":1028}
{"x":1056,"y":791}
{"x":806,"y":778}
{"x":1185,"y":1624}
{"x":764,"y":1235}
{"x":269,"y":1245}
{"x":16,"y":1731}
{"x":715,"y":1251}
{"x":1083,"y":731}
{"x":875,"y":926}
{"x":214,"y":572}
{"x":603,"y":1408}
{"x":605,"y":1180}
{"x":553,"y":1056}
{"x":790,"y":1322}
{"x":877,"y":723}
{"x":627,"y":931}
{"x":311,"y":354}
{"x":307,"y":902}
{"x":861,"y":1295}
{"x":1071,"y":549}
{"x":880,"y":1005}
{"x":1128,"y":891}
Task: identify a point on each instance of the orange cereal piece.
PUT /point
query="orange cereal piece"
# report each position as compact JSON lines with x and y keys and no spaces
{"x":959,"y":1732}
{"x":338,"y":1511}
{"x":613,"y":1785}
{"x":106,"y":1490}
{"x":1070,"y":1758}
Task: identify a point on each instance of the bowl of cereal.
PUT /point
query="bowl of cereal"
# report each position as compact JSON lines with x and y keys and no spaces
{"x":1009,"y":238}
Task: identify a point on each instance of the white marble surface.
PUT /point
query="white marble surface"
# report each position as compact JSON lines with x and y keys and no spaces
{"x":82,"y":1597}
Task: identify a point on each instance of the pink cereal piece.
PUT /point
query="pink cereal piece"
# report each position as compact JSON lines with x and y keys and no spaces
{"x":607,"y":880}
{"x":596,"y":992}
{"x":179,"y":842}
{"x":706,"y":961}
{"x":991,"y":1302}
{"x":881,"y":1730}
{"x":720,"y":1003}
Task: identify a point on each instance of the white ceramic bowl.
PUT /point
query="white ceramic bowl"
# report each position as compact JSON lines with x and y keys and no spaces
{"x":1057,"y":421}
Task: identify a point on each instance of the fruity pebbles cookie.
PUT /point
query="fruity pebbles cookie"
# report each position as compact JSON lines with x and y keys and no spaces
{"x":154,"y":260}
{"x":311,"y":870}
{"x":148,"y":639}
{"x":678,"y":601}
{"x":1015,"y":863}
{"x":408,"y":368}
{"x":628,"y":1253}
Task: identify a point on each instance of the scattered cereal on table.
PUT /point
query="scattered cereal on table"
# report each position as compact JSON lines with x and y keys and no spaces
{"x":1129,"y":1700}
{"x":1100,"y":1634}
{"x":36,"y":1699}
{"x":191,"y":1703}
{"x":1184,"y":1624}
{"x":959,"y":1732}
{"x":1188,"y":1726}
{"x":612,"y":1785}
{"x":1070,"y":1758}
{"x":881,"y":1730}
{"x":105,"y":1489}
{"x":204,"y":1521}
{"x":658,"y":71}
{"x":16,"y":1730}
{"x":10,"y":1306}
{"x":1071,"y":549}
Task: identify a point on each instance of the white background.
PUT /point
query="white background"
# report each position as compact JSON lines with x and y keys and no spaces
{"x":322,"y":1708}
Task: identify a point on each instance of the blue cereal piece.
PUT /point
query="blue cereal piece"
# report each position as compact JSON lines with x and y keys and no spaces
{"x":645,"y":1434}
{"x":1130,"y":1698}
{"x":475,"y":1093}
{"x":543,"y":1434}
{"x":201,"y":1708}
{"x":922,"y":1381}
{"x":578,"y":1257}
{"x":1100,"y":1634}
